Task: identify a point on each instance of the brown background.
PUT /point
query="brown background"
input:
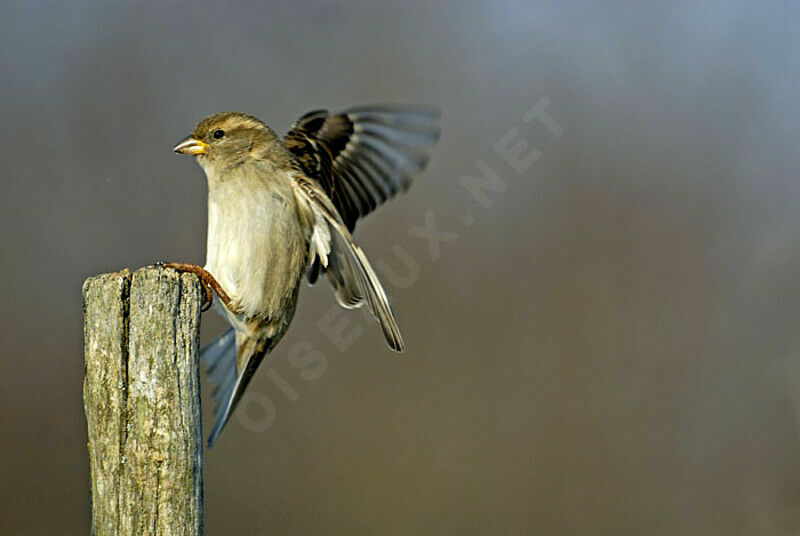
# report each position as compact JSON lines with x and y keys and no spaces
{"x":611,"y":348}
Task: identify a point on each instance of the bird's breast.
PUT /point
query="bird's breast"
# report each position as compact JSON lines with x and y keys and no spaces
{"x":256,"y":246}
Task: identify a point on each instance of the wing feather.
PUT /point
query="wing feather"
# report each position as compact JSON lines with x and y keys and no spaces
{"x":349,"y":271}
{"x":363,"y":156}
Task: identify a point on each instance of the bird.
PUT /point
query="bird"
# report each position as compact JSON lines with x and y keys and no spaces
{"x":281,"y":209}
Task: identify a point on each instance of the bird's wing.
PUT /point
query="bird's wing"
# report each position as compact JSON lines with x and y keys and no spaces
{"x":363,"y":156}
{"x":348,"y":269}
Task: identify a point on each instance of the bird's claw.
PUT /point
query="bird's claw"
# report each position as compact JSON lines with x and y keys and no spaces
{"x":208,"y":297}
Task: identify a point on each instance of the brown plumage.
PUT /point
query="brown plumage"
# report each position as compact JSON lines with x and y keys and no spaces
{"x":281,"y":208}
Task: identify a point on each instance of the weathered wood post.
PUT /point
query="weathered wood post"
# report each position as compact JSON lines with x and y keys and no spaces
{"x":141,"y":395}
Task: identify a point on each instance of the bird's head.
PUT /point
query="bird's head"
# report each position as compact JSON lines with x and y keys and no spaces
{"x":229,"y":139}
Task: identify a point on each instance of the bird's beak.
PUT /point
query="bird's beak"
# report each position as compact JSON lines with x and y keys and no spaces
{"x":191,"y":146}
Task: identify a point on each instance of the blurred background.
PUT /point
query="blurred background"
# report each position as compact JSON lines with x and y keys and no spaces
{"x":610,"y":348}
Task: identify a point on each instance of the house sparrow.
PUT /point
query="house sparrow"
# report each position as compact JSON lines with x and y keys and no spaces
{"x":282,"y":208}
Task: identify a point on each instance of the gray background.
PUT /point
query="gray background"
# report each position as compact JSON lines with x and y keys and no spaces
{"x":611,"y":348}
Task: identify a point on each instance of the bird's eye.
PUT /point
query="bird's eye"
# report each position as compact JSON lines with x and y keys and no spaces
{"x":218,"y":134}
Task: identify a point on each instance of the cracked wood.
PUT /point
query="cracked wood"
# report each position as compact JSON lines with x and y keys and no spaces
{"x":142,"y":402}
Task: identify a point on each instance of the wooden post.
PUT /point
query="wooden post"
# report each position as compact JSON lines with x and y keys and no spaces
{"x":141,"y":395}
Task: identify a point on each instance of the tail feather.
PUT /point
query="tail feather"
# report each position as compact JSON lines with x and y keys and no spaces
{"x":223,"y":408}
{"x":219,"y":358}
{"x":218,"y":355}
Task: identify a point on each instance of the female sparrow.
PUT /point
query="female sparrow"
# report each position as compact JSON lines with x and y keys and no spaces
{"x":278,"y":209}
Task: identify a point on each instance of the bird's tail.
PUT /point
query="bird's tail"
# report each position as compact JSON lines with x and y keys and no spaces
{"x":222,"y":366}
{"x":219,"y":358}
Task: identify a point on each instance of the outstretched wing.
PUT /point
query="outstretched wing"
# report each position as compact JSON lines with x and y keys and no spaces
{"x":363,"y":156}
{"x":348,"y":269}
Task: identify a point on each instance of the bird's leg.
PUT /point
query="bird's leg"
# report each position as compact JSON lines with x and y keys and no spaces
{"x":207,"y":280}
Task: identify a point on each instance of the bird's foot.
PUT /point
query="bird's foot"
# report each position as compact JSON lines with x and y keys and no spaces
{"x":209,"y":283}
